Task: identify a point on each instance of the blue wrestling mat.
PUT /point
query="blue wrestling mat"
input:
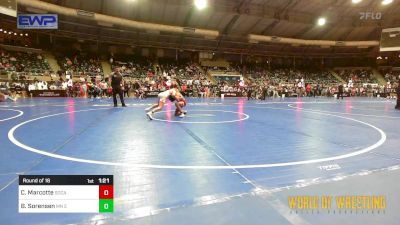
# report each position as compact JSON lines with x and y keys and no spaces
{"x":222,"y":151}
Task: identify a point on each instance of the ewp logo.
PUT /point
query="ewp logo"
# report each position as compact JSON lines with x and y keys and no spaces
{"x":37,"y":21}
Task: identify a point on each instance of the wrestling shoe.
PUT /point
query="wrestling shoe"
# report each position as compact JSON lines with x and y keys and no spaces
{"x":150,"y":115}
{"x":182,"y":115}
{"x":147,"y":109}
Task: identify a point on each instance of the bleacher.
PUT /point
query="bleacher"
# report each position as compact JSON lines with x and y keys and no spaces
{"x":148,"y":75}
{"x":81,"y":64}
{"x":390,"y":75}
{"x":358,"y":76}
{"x":286,"y":76}
{"x":133,"y":67}
{"x":16,"y":61}
{"x":183,"y":71}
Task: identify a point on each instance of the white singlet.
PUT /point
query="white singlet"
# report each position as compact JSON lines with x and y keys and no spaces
{"x":165,"y":94}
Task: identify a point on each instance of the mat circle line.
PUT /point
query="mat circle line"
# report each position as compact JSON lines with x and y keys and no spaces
{"x":203,"y":122}
{"x":20,"y":113}
{"x":342,"y":113}
{"x":12,"y":138}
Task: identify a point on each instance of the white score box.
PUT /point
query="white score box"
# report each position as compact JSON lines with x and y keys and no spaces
{"x":58,"y":192}
{"x":58,"y":206}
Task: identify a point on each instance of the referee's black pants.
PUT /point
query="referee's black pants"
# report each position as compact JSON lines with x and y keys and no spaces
{"x":118,"y":90}
{"x":340,"y":94}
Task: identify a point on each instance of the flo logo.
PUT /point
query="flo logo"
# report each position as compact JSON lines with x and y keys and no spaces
{"x":370,"y":15}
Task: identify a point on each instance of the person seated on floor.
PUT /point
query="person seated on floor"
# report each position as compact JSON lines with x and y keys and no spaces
{"x":6,"y":97}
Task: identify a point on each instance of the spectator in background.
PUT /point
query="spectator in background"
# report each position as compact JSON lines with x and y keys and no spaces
{"x":308,"y":90}
{"x":249,"y":93}
{"x":64,"y":85}
{"x":31,"y":87}
{"x":127,"y":88}
{"x":70,"y":87}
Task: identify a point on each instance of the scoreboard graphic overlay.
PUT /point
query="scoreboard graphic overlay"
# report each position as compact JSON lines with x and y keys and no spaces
{"x":66,"y":194}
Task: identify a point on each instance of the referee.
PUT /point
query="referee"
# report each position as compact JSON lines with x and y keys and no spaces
{"x":340,"y":91}
{"x":117,"y":84}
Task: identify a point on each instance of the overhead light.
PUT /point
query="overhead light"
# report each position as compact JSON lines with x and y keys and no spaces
{"x":386,"y":2}
{"x":1,"y":30}
{"x":379,"y":57}
{"x":321,"y":21}
{"x":10,"y":32}
{"x":5,"y":32}
{"x":21,"y":34}
{"x":356,"y":1}
{"x":15,"y":33}
{"x":386,"y":57}
{"x":200,"y":4}
{"x":26,"y":34}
